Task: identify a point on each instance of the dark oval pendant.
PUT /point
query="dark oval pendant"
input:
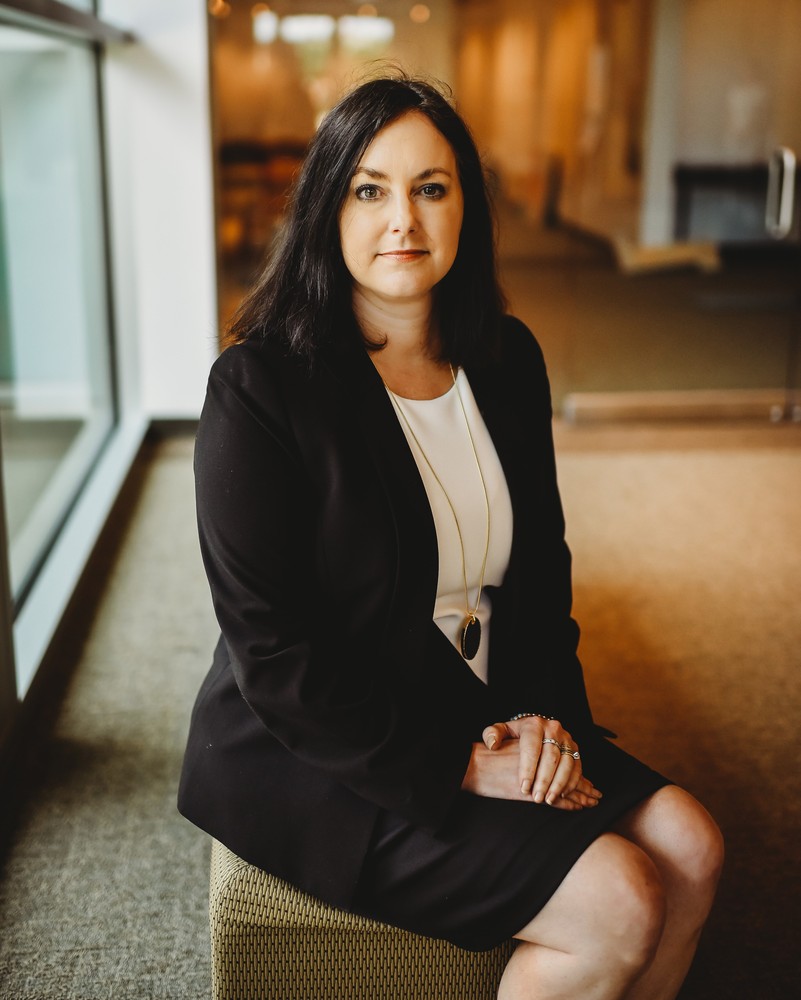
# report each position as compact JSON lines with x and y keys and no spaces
{"x":471,"y":637}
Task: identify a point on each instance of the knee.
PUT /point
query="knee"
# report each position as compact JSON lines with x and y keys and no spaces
{"x":636,"y":911}
{"x":609,"y":913}
{"x":697,"y":847}
{"x":627,"y":898}
{"x":707,"y":852}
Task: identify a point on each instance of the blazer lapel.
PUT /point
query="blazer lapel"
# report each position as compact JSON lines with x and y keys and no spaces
{"x":418,"y":565}
{"x":491,"y":395}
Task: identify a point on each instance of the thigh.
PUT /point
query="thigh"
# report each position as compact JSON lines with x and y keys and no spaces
{"x":613,"y":889}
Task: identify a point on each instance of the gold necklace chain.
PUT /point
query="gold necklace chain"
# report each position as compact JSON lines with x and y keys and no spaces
{"x":471,"y":613}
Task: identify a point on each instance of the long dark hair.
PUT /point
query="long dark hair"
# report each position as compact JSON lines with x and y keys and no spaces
{"x":303,"y":296}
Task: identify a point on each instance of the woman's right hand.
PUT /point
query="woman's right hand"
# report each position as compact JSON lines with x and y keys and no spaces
{"x":495,"y":773}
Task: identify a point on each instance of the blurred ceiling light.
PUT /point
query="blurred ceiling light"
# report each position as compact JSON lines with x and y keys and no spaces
{"x":265,"y":25}
{"x":301,"y":28}
{"x":367,"y":10}
{"x":361,"y":32}
{"x":219,"y":8}
{"x":420,"y":13}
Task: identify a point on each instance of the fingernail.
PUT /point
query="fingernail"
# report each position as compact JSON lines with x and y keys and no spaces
{"x":525,"y":788}
{"x":492,"y":741}
{"x":550,"y":799}
{"x":539,"y":797}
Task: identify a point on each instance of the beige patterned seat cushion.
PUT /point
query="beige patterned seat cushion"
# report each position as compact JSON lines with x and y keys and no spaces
{"x":270,"y":941}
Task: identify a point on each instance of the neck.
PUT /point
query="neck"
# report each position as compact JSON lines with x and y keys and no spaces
{"x":405,"y":329}
{"x":408,"y":361}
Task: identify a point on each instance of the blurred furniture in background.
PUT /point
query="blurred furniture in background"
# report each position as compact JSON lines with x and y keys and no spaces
{"x":253,"y":180}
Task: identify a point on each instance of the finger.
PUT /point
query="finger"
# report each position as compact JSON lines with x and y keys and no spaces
{"x":579,"y":798}
{"x":570,"y":805}
{"x":573,"y":780}
{"x":585,"y":793}
{"x":494,"y":735}
{"x":569,"y":772}
{"x":546,"y":769}
{"x":531,"y":750}
{"x":587,"y":787}
{"x":563,"y":776}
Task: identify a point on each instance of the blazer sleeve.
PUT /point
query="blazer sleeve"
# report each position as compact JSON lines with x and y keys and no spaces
{"x":558,"y":676}
{"x":336,"y":711}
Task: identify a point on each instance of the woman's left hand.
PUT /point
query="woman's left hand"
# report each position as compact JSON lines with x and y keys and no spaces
{"x":550,"y":765}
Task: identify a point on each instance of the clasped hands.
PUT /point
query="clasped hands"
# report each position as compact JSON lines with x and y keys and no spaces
{"x":528,"y":759}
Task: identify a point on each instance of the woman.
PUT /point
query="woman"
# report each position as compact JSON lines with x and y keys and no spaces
{"x":395,"y":719}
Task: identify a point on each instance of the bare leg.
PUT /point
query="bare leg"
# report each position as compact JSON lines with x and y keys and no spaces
{"x":596,"y":934}
{"x":686,"y":846}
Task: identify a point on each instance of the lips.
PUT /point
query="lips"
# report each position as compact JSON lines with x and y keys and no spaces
{"x":404,"y":256}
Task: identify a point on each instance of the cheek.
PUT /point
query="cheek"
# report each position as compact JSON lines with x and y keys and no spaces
{"x":352,"y":236}
{"x":347,"y":241}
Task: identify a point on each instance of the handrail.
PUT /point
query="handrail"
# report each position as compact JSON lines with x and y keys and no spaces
{"x":781,"y":193}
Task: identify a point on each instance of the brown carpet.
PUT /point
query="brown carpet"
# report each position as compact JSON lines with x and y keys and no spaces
{"x":687,"y":546}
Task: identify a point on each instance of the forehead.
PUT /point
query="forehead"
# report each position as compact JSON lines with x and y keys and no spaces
{"x":410,"y":141}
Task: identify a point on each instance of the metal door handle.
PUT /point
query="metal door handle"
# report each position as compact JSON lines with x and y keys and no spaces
{"x":781,"y":193}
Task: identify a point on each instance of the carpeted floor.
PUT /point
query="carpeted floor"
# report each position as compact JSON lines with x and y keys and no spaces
{"x":688,"y":569}
{"x":687,"y":547}
{"x":103,"y":893}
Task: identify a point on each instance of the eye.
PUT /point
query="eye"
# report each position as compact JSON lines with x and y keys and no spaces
{"x":433,"y":191}
{"x":367,"y":192}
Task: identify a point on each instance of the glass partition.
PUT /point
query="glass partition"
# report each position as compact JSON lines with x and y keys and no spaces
{"x":56,"y":399}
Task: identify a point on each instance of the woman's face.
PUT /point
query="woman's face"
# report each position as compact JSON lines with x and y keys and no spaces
{"x":399,"y":224}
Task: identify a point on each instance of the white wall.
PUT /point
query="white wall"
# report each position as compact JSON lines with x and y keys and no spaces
{"x":159,"y":138}
{"x":741,"y":80}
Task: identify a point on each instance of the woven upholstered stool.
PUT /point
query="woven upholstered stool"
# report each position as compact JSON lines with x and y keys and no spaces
{"x":269,"y":941}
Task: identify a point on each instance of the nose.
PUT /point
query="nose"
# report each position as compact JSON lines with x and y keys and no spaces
{"x":403,"y":218}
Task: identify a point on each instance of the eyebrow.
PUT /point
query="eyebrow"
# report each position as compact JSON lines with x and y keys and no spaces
{"x":423,"y":175}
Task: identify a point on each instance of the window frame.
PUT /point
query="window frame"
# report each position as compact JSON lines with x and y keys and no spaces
{"x":53,"y":18}
{"x":8,"y":674}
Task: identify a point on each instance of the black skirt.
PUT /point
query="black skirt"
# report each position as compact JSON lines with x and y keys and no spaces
{"x":495,"y":863}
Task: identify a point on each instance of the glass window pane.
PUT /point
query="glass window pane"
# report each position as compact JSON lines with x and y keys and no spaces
{"x":56,"y":403}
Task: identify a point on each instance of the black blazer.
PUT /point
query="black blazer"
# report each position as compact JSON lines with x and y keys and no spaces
{"x":332,"y":692}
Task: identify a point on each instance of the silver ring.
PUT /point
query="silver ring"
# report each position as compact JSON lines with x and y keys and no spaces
{"x":549,"y":740}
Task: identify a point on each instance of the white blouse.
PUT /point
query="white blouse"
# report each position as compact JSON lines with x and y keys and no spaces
{"x":439,"y":425}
